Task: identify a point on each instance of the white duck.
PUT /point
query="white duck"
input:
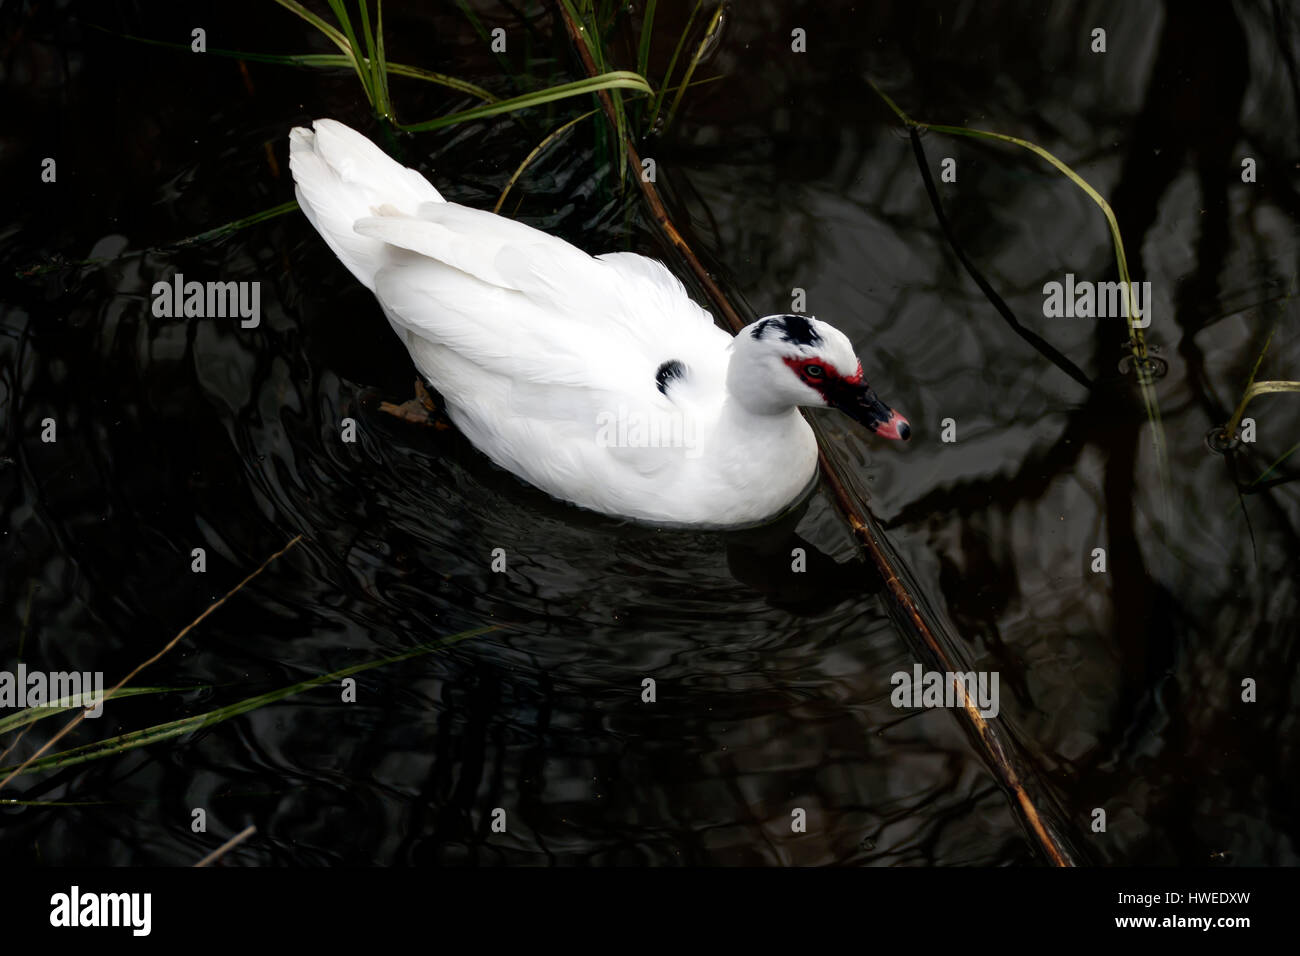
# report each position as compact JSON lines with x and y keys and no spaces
{"x":596,"y":379}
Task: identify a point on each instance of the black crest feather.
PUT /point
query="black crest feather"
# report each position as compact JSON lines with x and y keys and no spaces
{"x":795,"y":329}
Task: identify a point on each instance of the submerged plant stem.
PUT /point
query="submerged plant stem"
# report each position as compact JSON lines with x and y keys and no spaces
{"x":187,"y":725}
{"x":21,"y":768}
{"x":226,"y":847}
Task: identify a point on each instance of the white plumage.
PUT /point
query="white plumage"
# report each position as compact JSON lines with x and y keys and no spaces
{"x":596,"y":379}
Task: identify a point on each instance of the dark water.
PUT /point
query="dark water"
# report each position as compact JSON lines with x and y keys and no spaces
{"x":1124,"y":688}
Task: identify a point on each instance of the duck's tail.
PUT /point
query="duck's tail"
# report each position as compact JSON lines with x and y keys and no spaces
{"x":341,"y":177}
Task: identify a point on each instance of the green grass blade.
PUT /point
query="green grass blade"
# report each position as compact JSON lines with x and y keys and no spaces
{"x":29,"y":715}
{"x":225,"y":230}
{"x":1231,"y":428}
{"x":372,"y":60}
{"x":589,"y":33}
{"x":620,"y":133}
{"x":381,"y":72}
{"x":187,"y":725}
{"x":619,"y":79}
{"x":338,"y":61}
{"x":319,"y":61}
{"x":672,"y":64}
{"x":695,"y":62}
{"x":1273,"y":467}
{"x":363,"y":71}
{"x":1255,"y":390}
{"x":218,"y":232}
{"x":345,"y":41}
{"x":416,"y":73}
{"x":366,"y":32}
{"x":375,"y":58}
{"x":643,"y":52}
{"x":647,"y":33}
{"x":1240,"y":502}
{"x":324,"y":27}
{"x":55,"y":803}
{"x":694,"y":83}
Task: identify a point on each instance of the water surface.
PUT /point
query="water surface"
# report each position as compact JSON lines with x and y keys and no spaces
{"x":1124,"y":688}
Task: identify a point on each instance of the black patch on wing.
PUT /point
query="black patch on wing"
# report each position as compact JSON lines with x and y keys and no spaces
{"x":668,"y":373}
{"x":795,"y":329}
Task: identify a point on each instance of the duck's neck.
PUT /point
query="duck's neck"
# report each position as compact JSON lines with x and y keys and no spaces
{"x":769,"y":458}
{"x":748,"y":426}
{"x":749,"y":386}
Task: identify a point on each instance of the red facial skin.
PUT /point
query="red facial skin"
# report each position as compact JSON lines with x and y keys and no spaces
{"x":832,"y":374}
{"x":831,"y":385}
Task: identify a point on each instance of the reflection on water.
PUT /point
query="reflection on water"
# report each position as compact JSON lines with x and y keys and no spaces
{"x":772,"y":688}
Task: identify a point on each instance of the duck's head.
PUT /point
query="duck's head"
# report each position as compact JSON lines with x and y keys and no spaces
{"x":787,"y":360}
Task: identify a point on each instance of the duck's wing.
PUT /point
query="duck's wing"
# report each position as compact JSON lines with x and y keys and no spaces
{"x":507,"y":296}
{"x":529,"y":306}
{"x":553,"y":361}
{"x":695,"y":376}
{"x":340,"y":176}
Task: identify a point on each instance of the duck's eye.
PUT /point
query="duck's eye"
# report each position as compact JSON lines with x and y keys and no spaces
{"x":814,"y":371}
